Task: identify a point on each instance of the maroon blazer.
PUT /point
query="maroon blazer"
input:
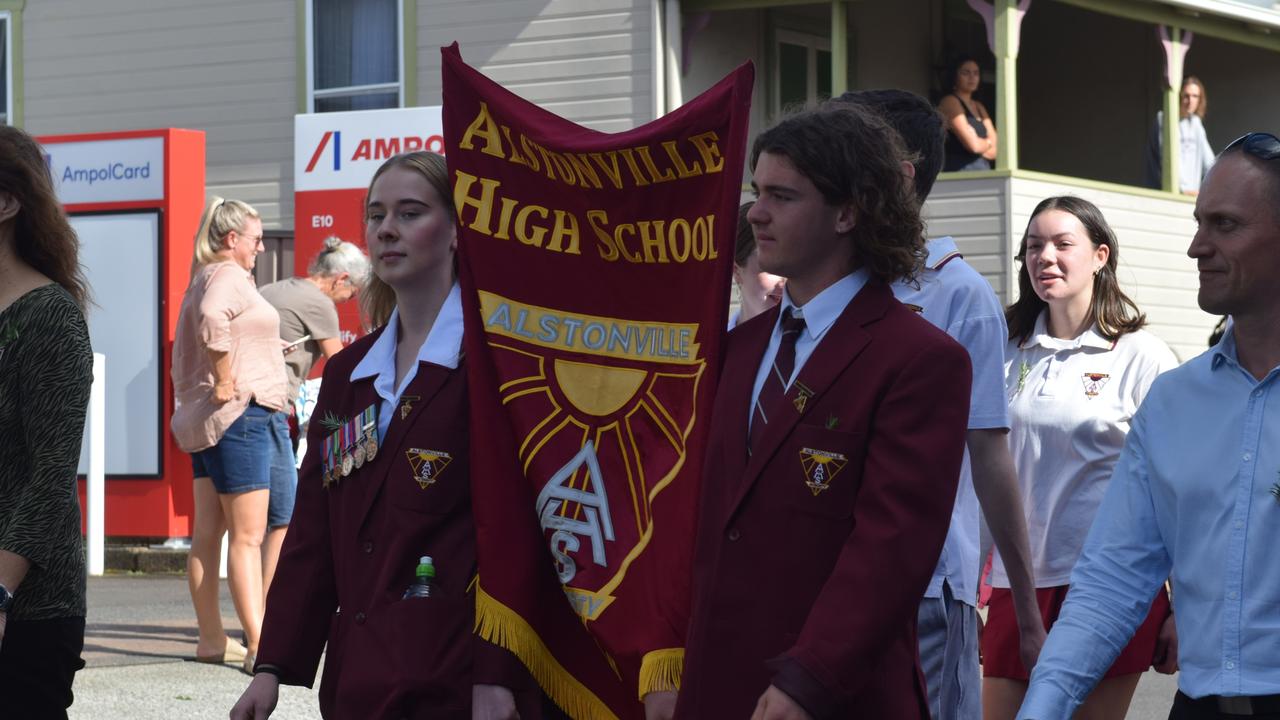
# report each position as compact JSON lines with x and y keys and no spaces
{"x":351,"y":552}
{"x":814,"y":551}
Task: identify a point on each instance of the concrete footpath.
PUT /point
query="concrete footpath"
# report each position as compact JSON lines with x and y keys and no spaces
{"x":141,"y":631}
{"x":140,"y":634}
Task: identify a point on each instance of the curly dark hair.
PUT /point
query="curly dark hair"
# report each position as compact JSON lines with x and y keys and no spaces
{"x":43,"y":238}
{"x":852,"y":156}
{"x":1114,"y":312}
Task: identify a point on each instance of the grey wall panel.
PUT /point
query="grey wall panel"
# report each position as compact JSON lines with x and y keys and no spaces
{"x":591,"y":62}
{"x":227,"y":68}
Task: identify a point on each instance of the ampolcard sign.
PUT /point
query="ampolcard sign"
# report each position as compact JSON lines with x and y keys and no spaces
{"x":107,"y":170}
{"x":334,"y":157}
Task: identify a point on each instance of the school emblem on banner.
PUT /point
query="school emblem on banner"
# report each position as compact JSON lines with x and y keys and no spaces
{"x":427,"y":465}
{"x":1093,"y":383}
{"x":820,"y":466}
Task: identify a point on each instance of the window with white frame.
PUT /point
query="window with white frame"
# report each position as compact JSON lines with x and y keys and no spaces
{"x":354,"y":60}
{"x":6,"y":69}
{"x":801,"y":69}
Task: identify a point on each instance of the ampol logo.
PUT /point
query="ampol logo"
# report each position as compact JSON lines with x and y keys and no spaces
{"x":337,"y":150}
{"x":374,"y":149}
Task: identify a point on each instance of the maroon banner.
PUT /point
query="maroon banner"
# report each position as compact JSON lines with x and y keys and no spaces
{"x":595,"y":272}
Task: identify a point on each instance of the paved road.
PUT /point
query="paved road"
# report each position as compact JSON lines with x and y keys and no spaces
{"x":141,"y":630}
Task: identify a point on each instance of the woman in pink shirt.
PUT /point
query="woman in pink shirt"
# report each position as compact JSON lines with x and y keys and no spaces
{"x":230,"y":387}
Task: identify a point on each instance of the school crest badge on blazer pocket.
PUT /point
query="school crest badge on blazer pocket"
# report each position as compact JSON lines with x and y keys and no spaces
{"x":427,"y":465}
{"x":820,"y":467}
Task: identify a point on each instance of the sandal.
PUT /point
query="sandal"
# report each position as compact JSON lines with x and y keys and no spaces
{"x":233,"y":652}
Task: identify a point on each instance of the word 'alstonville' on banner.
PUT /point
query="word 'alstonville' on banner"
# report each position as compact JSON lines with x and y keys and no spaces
{"x":595,"y":271}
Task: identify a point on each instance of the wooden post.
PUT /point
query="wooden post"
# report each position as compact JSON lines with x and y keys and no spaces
{"x":839,"y":47}
{"x":1008,"y":28}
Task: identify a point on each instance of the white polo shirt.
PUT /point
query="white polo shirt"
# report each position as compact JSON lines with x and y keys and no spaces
{"x":1070,"y":402}
{"x":442,"y":347}
{"x":957,"y":299}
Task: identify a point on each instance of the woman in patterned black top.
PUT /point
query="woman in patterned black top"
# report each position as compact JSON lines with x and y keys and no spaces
{"x":46,"y":368}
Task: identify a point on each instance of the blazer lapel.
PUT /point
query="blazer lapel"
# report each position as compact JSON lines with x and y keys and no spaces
{"x":425,"y":385}
{"x":843,"y":342}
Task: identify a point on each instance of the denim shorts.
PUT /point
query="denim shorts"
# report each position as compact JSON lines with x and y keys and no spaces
{"x":255,"y":453}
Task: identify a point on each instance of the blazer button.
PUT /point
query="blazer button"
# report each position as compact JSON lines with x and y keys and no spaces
{"x":367,"y":547}
{"x":734,"y":535}
{"x":359,"y":618}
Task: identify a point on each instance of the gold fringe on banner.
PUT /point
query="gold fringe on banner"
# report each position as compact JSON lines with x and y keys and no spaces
{"x":502,"y":626}
{"x":660,"y":670}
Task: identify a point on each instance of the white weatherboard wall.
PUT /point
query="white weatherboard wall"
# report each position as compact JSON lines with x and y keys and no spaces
{"x":975,"y":213}
{"x":590,"y":61}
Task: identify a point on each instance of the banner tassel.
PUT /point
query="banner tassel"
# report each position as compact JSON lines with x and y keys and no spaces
{"x":502,"y":626}
{"x":660,"y":670}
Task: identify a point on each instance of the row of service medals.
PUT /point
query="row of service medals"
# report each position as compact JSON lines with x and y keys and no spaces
{"x":350,"y":446}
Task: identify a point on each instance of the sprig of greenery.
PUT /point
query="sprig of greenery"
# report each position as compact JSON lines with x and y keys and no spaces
{"x":332,"y":422}
{"x":1023,"y":371}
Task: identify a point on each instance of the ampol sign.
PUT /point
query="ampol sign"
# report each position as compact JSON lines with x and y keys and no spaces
{"x":334,"y":156}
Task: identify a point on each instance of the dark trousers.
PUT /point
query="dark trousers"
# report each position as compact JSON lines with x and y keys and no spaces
{"x":1184,"y":708}
{"x":38,"y":659}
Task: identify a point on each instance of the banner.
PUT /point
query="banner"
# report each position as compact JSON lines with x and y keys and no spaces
{"x":595,"y":271}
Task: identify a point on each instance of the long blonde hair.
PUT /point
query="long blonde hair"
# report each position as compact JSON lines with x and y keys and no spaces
{"x":377,"y":299}
{"x":220,"y":218}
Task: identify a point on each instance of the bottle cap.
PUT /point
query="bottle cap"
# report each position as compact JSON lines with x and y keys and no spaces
{"x":424,"y":560}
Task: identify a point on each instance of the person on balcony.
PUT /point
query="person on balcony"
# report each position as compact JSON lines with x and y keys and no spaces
{"x":1195,"y":155}
{"x":971,"y":137}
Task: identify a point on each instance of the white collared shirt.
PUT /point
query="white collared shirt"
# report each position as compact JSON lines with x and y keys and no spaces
{"x":958,"y":300}
{"x":819,"y":315}
{"x":442,"y":347}
{"x":1070,"y":403}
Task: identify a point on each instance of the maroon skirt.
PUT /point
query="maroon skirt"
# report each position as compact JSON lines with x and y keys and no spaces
{"x":1000,"y":656}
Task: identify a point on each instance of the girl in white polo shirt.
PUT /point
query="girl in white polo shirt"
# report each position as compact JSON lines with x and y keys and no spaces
{"x":1077,"y":366}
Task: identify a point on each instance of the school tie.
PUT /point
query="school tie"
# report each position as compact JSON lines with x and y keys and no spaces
{"x":775,"y":384}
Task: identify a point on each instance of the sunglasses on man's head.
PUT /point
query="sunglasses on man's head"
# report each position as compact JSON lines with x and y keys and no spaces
{"x":1263,"y":146}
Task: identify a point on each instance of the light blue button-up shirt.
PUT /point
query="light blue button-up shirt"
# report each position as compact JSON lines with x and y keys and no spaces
{"x":442,"y":347}
{"x":1193,"y":498}
{"x":819,"y":315}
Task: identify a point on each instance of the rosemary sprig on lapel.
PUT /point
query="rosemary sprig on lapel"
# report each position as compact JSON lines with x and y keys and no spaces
{"x":1023,"y":371}
{"x":332,"y":422}
{"x":832,"y":422}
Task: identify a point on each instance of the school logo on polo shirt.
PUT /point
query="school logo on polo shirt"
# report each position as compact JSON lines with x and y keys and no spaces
{"x":820,"y":467}
{"x":1093,"y":383}
{"x":427,"y":465}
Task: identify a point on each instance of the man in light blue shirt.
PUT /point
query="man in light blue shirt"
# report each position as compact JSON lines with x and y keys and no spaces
{"x":1196,"y":495}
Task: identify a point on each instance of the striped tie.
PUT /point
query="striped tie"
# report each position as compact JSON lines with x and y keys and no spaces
{"x":775,"y":384}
